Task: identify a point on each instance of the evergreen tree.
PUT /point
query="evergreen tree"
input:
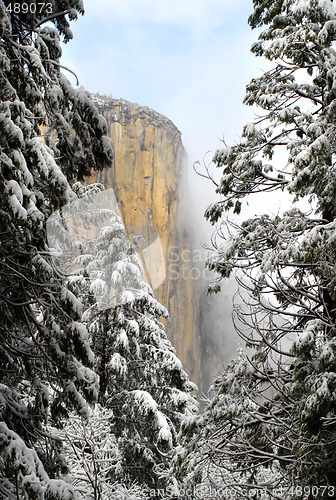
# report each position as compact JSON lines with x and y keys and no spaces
{"x":91,"y":452}
{"x":45,"y":354}
{"x":271,"y":423}
{"x":142,"y":382}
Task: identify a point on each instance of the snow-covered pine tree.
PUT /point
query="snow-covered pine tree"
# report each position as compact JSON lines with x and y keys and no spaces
{"x":45,"y":355}
{"x":142,"y":382}
{"x":91,"y":451}
{"x":274,"y":408}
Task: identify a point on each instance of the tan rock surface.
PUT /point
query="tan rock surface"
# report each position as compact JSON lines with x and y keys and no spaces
{"x":147,"y":178}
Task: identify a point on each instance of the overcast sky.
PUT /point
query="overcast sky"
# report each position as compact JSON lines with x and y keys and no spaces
{"x":187,"y":59}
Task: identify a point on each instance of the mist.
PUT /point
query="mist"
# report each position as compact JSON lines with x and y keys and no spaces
{"x":219,"y":341}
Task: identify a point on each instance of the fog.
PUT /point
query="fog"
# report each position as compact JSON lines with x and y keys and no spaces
{"x":219,"y":342}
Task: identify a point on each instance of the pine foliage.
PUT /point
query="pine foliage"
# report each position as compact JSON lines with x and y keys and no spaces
{"x":92,"y":452}
{"x":142,"y":382}
{"x":45,"y":356}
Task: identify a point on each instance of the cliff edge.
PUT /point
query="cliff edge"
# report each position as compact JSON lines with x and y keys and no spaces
{"x":148,"y":181}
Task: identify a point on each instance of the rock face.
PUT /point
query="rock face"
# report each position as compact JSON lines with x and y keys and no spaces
{"x":148,"y":181}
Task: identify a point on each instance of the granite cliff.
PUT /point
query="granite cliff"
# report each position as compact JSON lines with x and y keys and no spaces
{"x":148,"y":178}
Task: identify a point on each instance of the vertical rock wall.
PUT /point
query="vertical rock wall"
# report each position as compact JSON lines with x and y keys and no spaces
{"x":148,"y":181}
